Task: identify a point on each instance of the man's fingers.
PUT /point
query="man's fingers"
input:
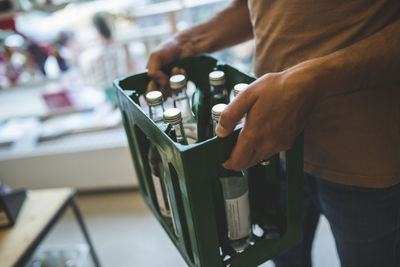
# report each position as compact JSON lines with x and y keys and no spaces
{"x":233,"y":113}
{"x":152,"y":86}
{"x":159,"y":82}
{"x":177,"y":70}
{"x":161,"y":78}
{"x":257,"y":159}
{"x":242,"y":154}
{"x":154,"y":65}
{"x":183,"y":71}
{"x":246,"y":154}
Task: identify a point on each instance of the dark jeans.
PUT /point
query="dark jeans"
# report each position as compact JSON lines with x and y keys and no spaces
{"x":365,"y":223}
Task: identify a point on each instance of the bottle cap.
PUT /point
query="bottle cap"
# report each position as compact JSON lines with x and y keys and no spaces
{"x":172,"y":116}
{"x":217,"y":77}
{"x":217,"y":110}
{"x":154,"y":98}
{"x":177,"y":81}
{"x":238,"y":88}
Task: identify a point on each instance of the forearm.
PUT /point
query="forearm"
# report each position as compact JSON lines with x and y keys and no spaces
{"x":369,"y":63}
{"x":228,"y":27}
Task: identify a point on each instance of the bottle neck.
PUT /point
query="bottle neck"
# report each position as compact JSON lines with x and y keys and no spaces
{"x":220,"y":94}
{"x":156,"y":113}
{"x":218,"y":89}
{"x":181,"y":101}
{"x":180,"y":134}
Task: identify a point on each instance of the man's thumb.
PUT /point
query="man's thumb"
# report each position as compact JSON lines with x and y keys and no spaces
{"x":232,"y":114}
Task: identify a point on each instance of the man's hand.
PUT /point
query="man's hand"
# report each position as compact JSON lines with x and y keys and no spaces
{"x":276,"y":106}
{"x":228,"y":27}
{"x":165,"y":54}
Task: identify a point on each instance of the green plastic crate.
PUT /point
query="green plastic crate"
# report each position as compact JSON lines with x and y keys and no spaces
{"x":194,"y":189}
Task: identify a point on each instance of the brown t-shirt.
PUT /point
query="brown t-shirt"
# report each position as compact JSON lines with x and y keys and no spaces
{"x":351,"y":138}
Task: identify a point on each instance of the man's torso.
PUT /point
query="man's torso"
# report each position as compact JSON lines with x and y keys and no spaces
{"x":352,"y":138}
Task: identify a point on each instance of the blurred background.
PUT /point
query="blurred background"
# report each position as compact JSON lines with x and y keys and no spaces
{"x":58,"y":59}
{"x":60,"y":125}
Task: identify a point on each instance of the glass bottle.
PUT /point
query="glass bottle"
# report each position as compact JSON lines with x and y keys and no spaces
{"x":154,"y":100}
{"x":181,"y":101}
{"x":235,"y":191}
{"x":237,"y":89}
{"x":217,"y":87}
{"x":173,"y":116}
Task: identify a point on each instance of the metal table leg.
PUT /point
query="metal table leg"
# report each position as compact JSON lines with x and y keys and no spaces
{"x":85,"y":233}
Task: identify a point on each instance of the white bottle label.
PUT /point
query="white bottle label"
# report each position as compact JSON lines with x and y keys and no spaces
{"x":238,"y":217}
{"x":159,"y":195}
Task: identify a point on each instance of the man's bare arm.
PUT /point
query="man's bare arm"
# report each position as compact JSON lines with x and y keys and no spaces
{"x":228,"y":27}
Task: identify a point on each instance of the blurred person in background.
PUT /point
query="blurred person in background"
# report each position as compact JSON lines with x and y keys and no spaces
{"x":101,"y":21}
{"x":61,"y":51}
{"x":329,"y":69}
{"x":109,"y":62}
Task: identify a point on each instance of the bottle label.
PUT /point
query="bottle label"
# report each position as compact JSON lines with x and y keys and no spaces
{"x":159,"y":195}
{"x":238,"y":216}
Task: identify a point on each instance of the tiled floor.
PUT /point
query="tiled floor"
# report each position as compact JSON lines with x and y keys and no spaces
{"x":125,"y":234}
